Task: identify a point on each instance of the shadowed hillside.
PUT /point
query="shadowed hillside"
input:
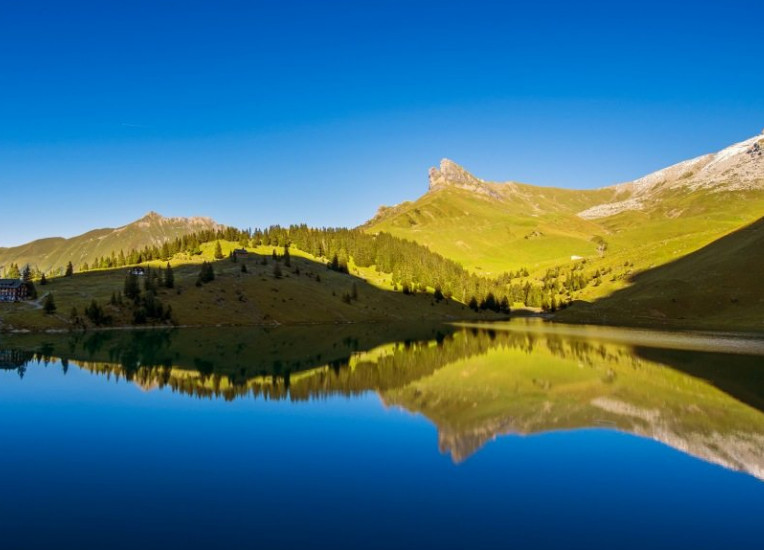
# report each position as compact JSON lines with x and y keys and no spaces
{"x":260,"y":289}
{"x":718,"y":286}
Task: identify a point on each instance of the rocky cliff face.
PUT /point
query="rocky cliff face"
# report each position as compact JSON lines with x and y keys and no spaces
{"x":451,"y":174}
{"x":155,"y":219}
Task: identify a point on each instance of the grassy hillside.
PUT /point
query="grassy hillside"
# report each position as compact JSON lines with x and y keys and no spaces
{"x":583,"y":245}
{"x":305,"y":292}
{"x":52,"y":254}
{"x":491,"y":236}
{"x":717,"y":286}
{"x":539,"y":228}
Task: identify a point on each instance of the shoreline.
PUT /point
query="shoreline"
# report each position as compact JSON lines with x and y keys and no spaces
{"x":271,"y":324}
{"x":662,"y":327}
{"x":573,"y":327}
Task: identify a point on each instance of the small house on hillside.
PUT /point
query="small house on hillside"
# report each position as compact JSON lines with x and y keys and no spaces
{"x":139,"y":271}
{"x":12,"y":290}
{"x":241,"y":253}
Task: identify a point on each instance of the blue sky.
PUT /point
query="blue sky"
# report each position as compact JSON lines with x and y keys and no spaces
{"x":284,"y":112}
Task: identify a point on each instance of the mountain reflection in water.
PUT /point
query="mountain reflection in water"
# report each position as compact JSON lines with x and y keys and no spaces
{"x":474,"y":383}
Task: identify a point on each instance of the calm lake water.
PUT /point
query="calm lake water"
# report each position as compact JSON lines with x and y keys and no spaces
{"x":518,"y":435}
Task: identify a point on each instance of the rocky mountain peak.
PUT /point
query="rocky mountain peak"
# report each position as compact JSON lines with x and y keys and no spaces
{"x":152,"y":219}
{"x":152,"y":216}
{"x":451,"y":173}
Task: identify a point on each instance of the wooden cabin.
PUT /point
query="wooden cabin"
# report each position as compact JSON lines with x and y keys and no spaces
{"x":12,"y":290}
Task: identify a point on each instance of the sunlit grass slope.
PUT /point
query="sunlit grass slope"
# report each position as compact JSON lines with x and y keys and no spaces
{"x":488,"y":235}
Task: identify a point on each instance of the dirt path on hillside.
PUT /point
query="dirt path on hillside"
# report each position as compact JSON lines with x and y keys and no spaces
{"x":37,"y":304}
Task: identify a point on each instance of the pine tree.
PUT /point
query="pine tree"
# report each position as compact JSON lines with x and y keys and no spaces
{"x":438,"y":294}
{"x":43,"y":280}
{"x":95,"y":313}
{"x":131,"y":289}
{"x":31,"y":290}
{"x":206,"y":274}
{"x":287,"y":258}
{"x":490,"y":303}
{"x":149,"y":281}
{"x":69,"y":270}
{"x":218,"y":251}
{"x":169,"y":277}
{"x":26,"y":274}
{"x":49,"y":304}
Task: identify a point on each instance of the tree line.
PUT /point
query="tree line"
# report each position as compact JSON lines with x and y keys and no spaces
{"x":413,"y":267}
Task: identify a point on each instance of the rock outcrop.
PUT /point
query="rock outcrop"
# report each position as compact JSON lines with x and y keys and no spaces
{"x":451,"y":174}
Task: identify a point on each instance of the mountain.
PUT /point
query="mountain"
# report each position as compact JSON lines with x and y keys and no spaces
{"x":494,"y":227}
{"x":54,"y":253}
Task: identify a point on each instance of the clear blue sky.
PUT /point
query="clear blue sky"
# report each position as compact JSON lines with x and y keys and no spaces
{"x":283,"y":112}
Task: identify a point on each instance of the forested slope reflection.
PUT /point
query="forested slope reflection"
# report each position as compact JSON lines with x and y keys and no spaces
{"x":472,"y":383}
{"x":226,"y":362}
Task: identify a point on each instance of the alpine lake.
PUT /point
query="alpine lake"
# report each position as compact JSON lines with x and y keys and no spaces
{"x":521,"y":434}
